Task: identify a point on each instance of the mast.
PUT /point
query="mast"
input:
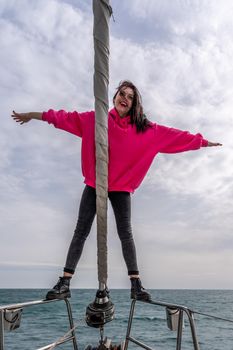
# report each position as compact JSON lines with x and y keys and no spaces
{"x":102,"y":12}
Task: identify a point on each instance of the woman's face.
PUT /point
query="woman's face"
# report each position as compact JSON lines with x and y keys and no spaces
{"x":123,"y":101}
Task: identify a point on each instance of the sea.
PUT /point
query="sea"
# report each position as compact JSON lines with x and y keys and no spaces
{"x":43,"y":324}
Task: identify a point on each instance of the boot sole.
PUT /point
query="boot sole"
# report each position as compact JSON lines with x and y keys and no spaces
{"x":51,"y":296}
{"x":145,"y":298}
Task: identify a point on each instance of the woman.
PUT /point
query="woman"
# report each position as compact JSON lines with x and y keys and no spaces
{"x":134,"y":141}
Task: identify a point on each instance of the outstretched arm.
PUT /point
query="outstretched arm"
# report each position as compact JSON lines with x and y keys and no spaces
{"x":22,"y":118}
{"x":173,"y":140}
{"x":210,"y":144}
{"x":68,"y":121}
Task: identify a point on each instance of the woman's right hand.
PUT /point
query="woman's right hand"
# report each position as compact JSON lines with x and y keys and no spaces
{"x":21,"y":117}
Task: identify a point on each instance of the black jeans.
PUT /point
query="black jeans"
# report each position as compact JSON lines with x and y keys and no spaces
{"x":121,"y":204}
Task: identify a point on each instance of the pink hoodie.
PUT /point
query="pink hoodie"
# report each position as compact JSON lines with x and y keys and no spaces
{"x":130,"y":153}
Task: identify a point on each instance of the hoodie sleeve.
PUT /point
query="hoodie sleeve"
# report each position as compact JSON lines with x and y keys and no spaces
{"x":68,"y":121}
{"x":172,"y":140}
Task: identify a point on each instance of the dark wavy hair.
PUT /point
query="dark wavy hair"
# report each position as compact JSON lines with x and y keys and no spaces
{"x":136,"y":113}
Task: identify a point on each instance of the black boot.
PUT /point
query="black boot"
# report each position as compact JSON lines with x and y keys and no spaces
{"x":61,"y":290}
{"x":137,"y":290}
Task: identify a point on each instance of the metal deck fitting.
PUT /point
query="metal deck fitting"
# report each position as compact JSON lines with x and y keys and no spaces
{"x":12,"y":307}
{"x":180,"y":308}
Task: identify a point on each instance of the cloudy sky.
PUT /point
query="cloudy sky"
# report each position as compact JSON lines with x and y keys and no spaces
{"x":179,"y":54}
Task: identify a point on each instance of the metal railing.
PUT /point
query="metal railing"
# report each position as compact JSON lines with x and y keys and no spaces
{"x":174,"y":323}
{"x":13,"y":307}
{"x":182,"y":310}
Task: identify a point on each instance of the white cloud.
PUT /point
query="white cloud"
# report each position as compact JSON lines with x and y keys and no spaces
{"x":189,"y":88}
{"x":40,"y":52}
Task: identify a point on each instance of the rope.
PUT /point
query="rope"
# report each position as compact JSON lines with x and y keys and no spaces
{"x":212,"y":316}
{"x":102,"y":12}
{"x":80,"y":322}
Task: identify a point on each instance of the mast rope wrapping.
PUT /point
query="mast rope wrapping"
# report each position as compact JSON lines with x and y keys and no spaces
{"x":102,"y":12}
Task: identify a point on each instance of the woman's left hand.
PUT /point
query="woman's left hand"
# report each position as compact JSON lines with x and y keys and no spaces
{"x":210,"y":144}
